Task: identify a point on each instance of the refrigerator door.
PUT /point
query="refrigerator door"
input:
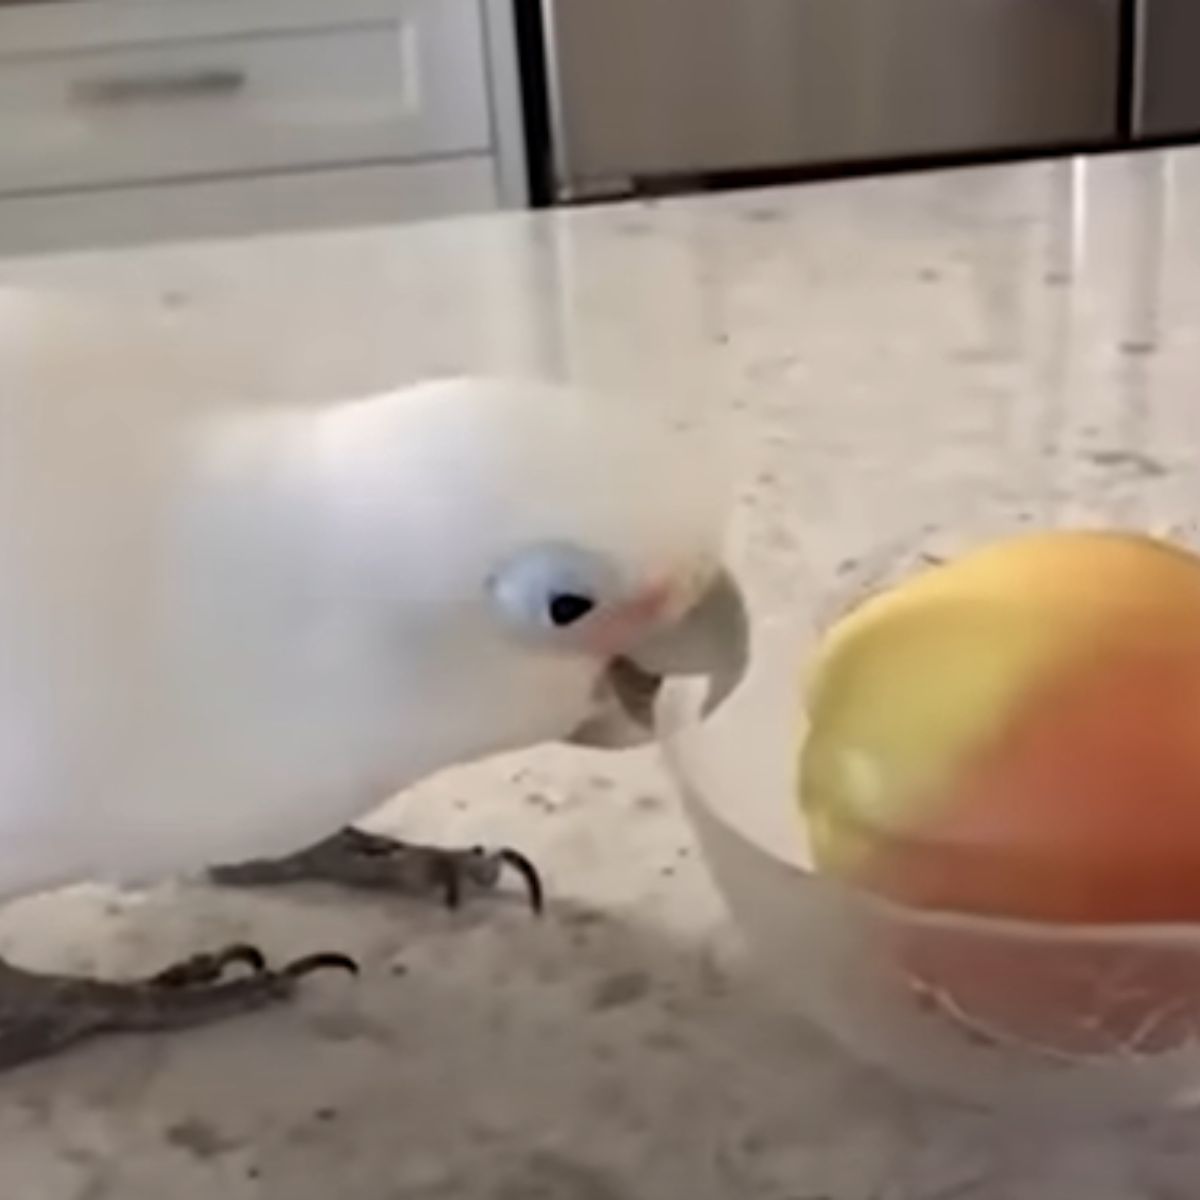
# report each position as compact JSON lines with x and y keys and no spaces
{"x":1166,"y":101}
{"x":660,"y":87}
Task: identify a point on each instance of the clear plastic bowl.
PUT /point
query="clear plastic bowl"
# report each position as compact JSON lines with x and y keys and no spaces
{"x":1090,"y":1019}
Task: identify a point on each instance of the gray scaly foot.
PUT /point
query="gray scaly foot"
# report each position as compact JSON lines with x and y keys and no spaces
{"x":366,"y":861}
{"x":42,"y":1014}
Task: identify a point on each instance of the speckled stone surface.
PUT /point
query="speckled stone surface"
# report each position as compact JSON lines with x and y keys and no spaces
{"x":906,"y":363}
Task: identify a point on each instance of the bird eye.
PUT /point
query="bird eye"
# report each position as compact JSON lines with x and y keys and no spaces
{"x":548,"y":588}
{"x":567,"y":608}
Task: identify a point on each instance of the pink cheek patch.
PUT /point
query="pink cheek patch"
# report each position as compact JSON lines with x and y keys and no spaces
{"x":613,"y":632}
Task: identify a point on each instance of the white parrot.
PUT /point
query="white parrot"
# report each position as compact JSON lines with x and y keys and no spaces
{"x":228,"y":631}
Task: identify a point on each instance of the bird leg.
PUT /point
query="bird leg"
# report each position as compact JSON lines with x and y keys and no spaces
{"x":42,"y":1014}
{"x":366,"y":861}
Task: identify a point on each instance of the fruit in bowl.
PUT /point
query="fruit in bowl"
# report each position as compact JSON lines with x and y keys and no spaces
{"x":1017,"y":733}
{"x":1000,"y":794}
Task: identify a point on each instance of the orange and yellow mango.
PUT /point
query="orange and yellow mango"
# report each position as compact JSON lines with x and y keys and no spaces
{"x":1017,"y":732}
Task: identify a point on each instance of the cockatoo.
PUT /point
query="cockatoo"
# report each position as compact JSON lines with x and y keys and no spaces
{"x":228,"y":631}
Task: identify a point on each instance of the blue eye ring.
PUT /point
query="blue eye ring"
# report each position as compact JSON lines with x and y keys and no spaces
{"x":551,"y":587}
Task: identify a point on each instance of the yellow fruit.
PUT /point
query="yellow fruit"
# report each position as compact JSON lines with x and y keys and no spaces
{"x":1017,"y":733}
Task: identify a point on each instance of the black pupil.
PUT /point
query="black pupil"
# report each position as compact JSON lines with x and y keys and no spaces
{"x":567,"y":608}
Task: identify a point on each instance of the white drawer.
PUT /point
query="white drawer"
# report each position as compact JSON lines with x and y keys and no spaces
{"x":407,"y":85}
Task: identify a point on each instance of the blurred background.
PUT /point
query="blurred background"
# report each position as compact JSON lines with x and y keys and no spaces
{"x":137,"y":120}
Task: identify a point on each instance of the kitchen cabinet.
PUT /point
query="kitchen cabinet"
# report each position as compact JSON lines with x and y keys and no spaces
{"x":133,"y":119}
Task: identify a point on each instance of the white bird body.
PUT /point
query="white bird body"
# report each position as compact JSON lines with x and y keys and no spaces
{"x":224,"y":633}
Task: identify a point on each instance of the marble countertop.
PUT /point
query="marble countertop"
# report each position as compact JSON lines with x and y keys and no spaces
{"x":907,"y":363}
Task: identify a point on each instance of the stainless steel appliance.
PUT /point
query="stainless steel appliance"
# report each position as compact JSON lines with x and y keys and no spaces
{"x":644,"y":89}
{"x":1166,"y":74}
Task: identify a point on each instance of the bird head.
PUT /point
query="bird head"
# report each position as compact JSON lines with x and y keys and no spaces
{"x":569,"y":551}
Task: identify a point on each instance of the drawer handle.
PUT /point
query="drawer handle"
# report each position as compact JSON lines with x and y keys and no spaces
{"x":180,"y":85}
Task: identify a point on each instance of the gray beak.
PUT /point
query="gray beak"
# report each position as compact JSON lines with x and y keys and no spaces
{"x":712,"y":639}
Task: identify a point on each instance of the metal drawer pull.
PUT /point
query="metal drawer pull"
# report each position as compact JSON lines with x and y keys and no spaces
{"x":178,"y":85}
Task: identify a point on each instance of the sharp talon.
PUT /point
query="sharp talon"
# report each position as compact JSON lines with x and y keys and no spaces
{"x":243,"y":953}
{"x":529,"y":873}
{"x":205,"y":968}
{"x":320,"y":962}
{"x":446,"y":873}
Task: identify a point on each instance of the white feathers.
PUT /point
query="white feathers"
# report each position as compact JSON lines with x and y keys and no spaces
{"x":226,"y":631}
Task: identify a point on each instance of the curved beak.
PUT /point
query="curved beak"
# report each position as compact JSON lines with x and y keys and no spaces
{"x":711,"y":639}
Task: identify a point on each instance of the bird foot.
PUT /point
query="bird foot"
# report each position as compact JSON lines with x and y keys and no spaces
{"x":42,"y":1014}
{"x":366,"y":861}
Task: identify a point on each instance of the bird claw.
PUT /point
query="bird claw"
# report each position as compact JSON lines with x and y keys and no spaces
{"x":42,"y":1014}
{"x":485,"y":868}
{"x":355,"y":859}
{"x":312,"y":963}
{"x":203,"y":969}
{"x":208,"y":968}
